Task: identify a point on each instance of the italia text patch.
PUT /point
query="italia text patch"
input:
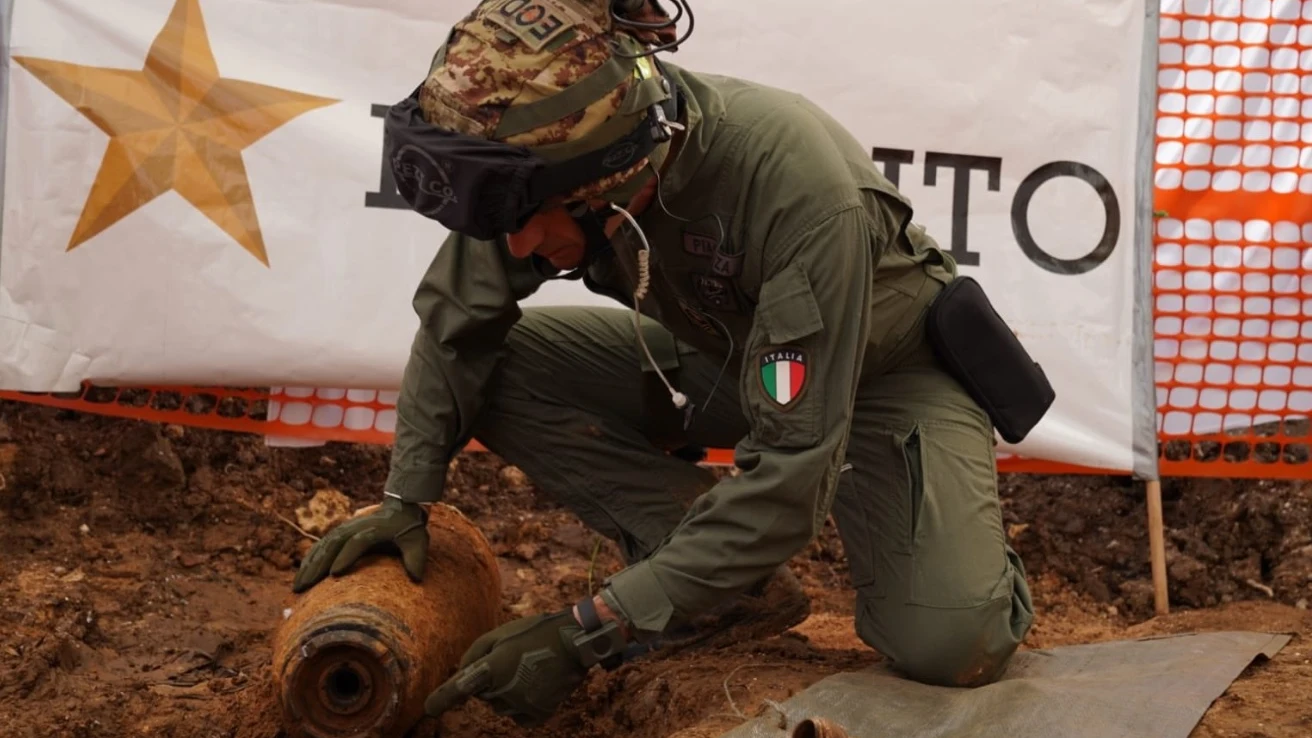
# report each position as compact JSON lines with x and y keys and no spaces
{"x":783,"y":375}
{"x":534,"y":22}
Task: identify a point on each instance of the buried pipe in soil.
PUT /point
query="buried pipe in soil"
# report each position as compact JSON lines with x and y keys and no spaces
{"x":358,"y":654}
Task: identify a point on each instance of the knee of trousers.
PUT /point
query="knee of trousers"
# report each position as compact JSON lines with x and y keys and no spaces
{"x":958,"y":647}
{"x":521,"y":375}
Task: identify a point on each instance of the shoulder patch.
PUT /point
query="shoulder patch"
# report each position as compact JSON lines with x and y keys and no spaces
{"x":536,"y":23}
{"x":783,"y":375}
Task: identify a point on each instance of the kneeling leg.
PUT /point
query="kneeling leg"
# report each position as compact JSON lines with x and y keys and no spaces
{"x":939,"y":591}
{"x":571,"y":406}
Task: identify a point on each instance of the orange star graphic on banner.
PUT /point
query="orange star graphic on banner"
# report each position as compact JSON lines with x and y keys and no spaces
{"x":173,"y":125}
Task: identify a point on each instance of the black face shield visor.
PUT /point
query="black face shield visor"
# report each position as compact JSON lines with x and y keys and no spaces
{"x":486,"y":189}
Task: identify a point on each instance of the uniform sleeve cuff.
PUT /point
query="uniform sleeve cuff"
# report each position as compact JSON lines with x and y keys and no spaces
{"x":417,"y":485}
{"x":638,"y":597}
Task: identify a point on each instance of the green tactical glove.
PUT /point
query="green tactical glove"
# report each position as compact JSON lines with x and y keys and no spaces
{"x":525,"y":669}
{"x":395,"y":526}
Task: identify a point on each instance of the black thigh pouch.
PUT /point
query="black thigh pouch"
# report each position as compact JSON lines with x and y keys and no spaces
{"x":983,"y":354}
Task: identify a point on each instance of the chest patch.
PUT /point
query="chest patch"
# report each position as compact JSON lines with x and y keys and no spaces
{"x":698,"y":245}
{"x":724,"y":261}
{"x":783,"y":375}
{"x":696,"y":317}
{"x":714,"y":291}
{"x":726,"y":265}
{"x":534,"y":22}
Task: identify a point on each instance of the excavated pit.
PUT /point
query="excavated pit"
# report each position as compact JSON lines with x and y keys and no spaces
{"x":144,"y":571}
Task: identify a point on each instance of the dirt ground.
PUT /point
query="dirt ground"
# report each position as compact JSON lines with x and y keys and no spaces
{"x":143,"y":569}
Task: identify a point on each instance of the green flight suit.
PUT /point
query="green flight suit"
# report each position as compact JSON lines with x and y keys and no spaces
{"x":789,"y":255}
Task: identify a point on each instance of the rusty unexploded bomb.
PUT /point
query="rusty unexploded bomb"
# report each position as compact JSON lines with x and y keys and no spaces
{"x":356,"y":655}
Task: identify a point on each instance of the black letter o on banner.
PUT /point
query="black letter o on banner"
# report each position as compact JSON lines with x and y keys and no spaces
{"x":1020,"y":208}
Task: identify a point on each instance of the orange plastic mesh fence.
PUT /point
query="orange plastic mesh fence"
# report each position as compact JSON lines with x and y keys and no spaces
{"x":1232,"y":267}
{"x":356,"y":416}
{"x":1233,"y":238}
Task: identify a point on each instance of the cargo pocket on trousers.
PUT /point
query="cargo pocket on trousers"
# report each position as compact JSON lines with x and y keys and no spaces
{"x":783,"y":391}
{"x":958,"y":555}
{"x":854,"y":514}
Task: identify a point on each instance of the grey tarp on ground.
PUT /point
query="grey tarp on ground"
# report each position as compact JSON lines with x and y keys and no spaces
{"x":1158,"y":687}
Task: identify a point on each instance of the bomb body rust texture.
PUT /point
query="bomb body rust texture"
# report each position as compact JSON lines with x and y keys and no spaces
{"x":357,"y":655}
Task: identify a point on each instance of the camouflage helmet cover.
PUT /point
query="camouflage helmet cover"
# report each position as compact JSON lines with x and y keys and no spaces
{"x":501,"y":74}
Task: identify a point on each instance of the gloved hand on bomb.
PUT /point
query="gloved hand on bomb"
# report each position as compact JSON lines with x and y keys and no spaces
{"x":526,"y":668}
{"x":395,"y":527}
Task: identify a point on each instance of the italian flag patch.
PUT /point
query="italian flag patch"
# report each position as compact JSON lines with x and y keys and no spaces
{"x":783,"y":375}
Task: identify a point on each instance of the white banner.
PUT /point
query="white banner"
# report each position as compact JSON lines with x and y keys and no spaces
{"x":264,"y":246}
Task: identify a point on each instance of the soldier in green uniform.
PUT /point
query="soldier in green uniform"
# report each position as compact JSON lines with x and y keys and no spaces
{"x":772,"y":296}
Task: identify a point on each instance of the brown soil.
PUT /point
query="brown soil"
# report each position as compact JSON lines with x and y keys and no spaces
{"x":143,"y":569}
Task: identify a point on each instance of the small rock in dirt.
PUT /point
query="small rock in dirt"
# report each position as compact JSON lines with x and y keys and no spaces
{"x":68,"y":655}
{"x":575,"y":537}
{"x":514,"y":477}
{"x":218,"y":538}
{"x":279,"y":559}
{"x":527,"y":551}
{"x":249,"y":566}
{"x":1138,"y":594}
{"x":203,"y":479}
{"x":324,"y":511}
{"x":196,"y":501}
{"x":188,"y":560}
{"x":84,"y":529}
{"x":150,"y":474}
{"x":8,"y":453}
{"x":67,"y":479}
{"x":1190,"y":583}
{"x":1095,"y":586}
{"x":1290,"y":576}
{"x":1301,"y":604}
